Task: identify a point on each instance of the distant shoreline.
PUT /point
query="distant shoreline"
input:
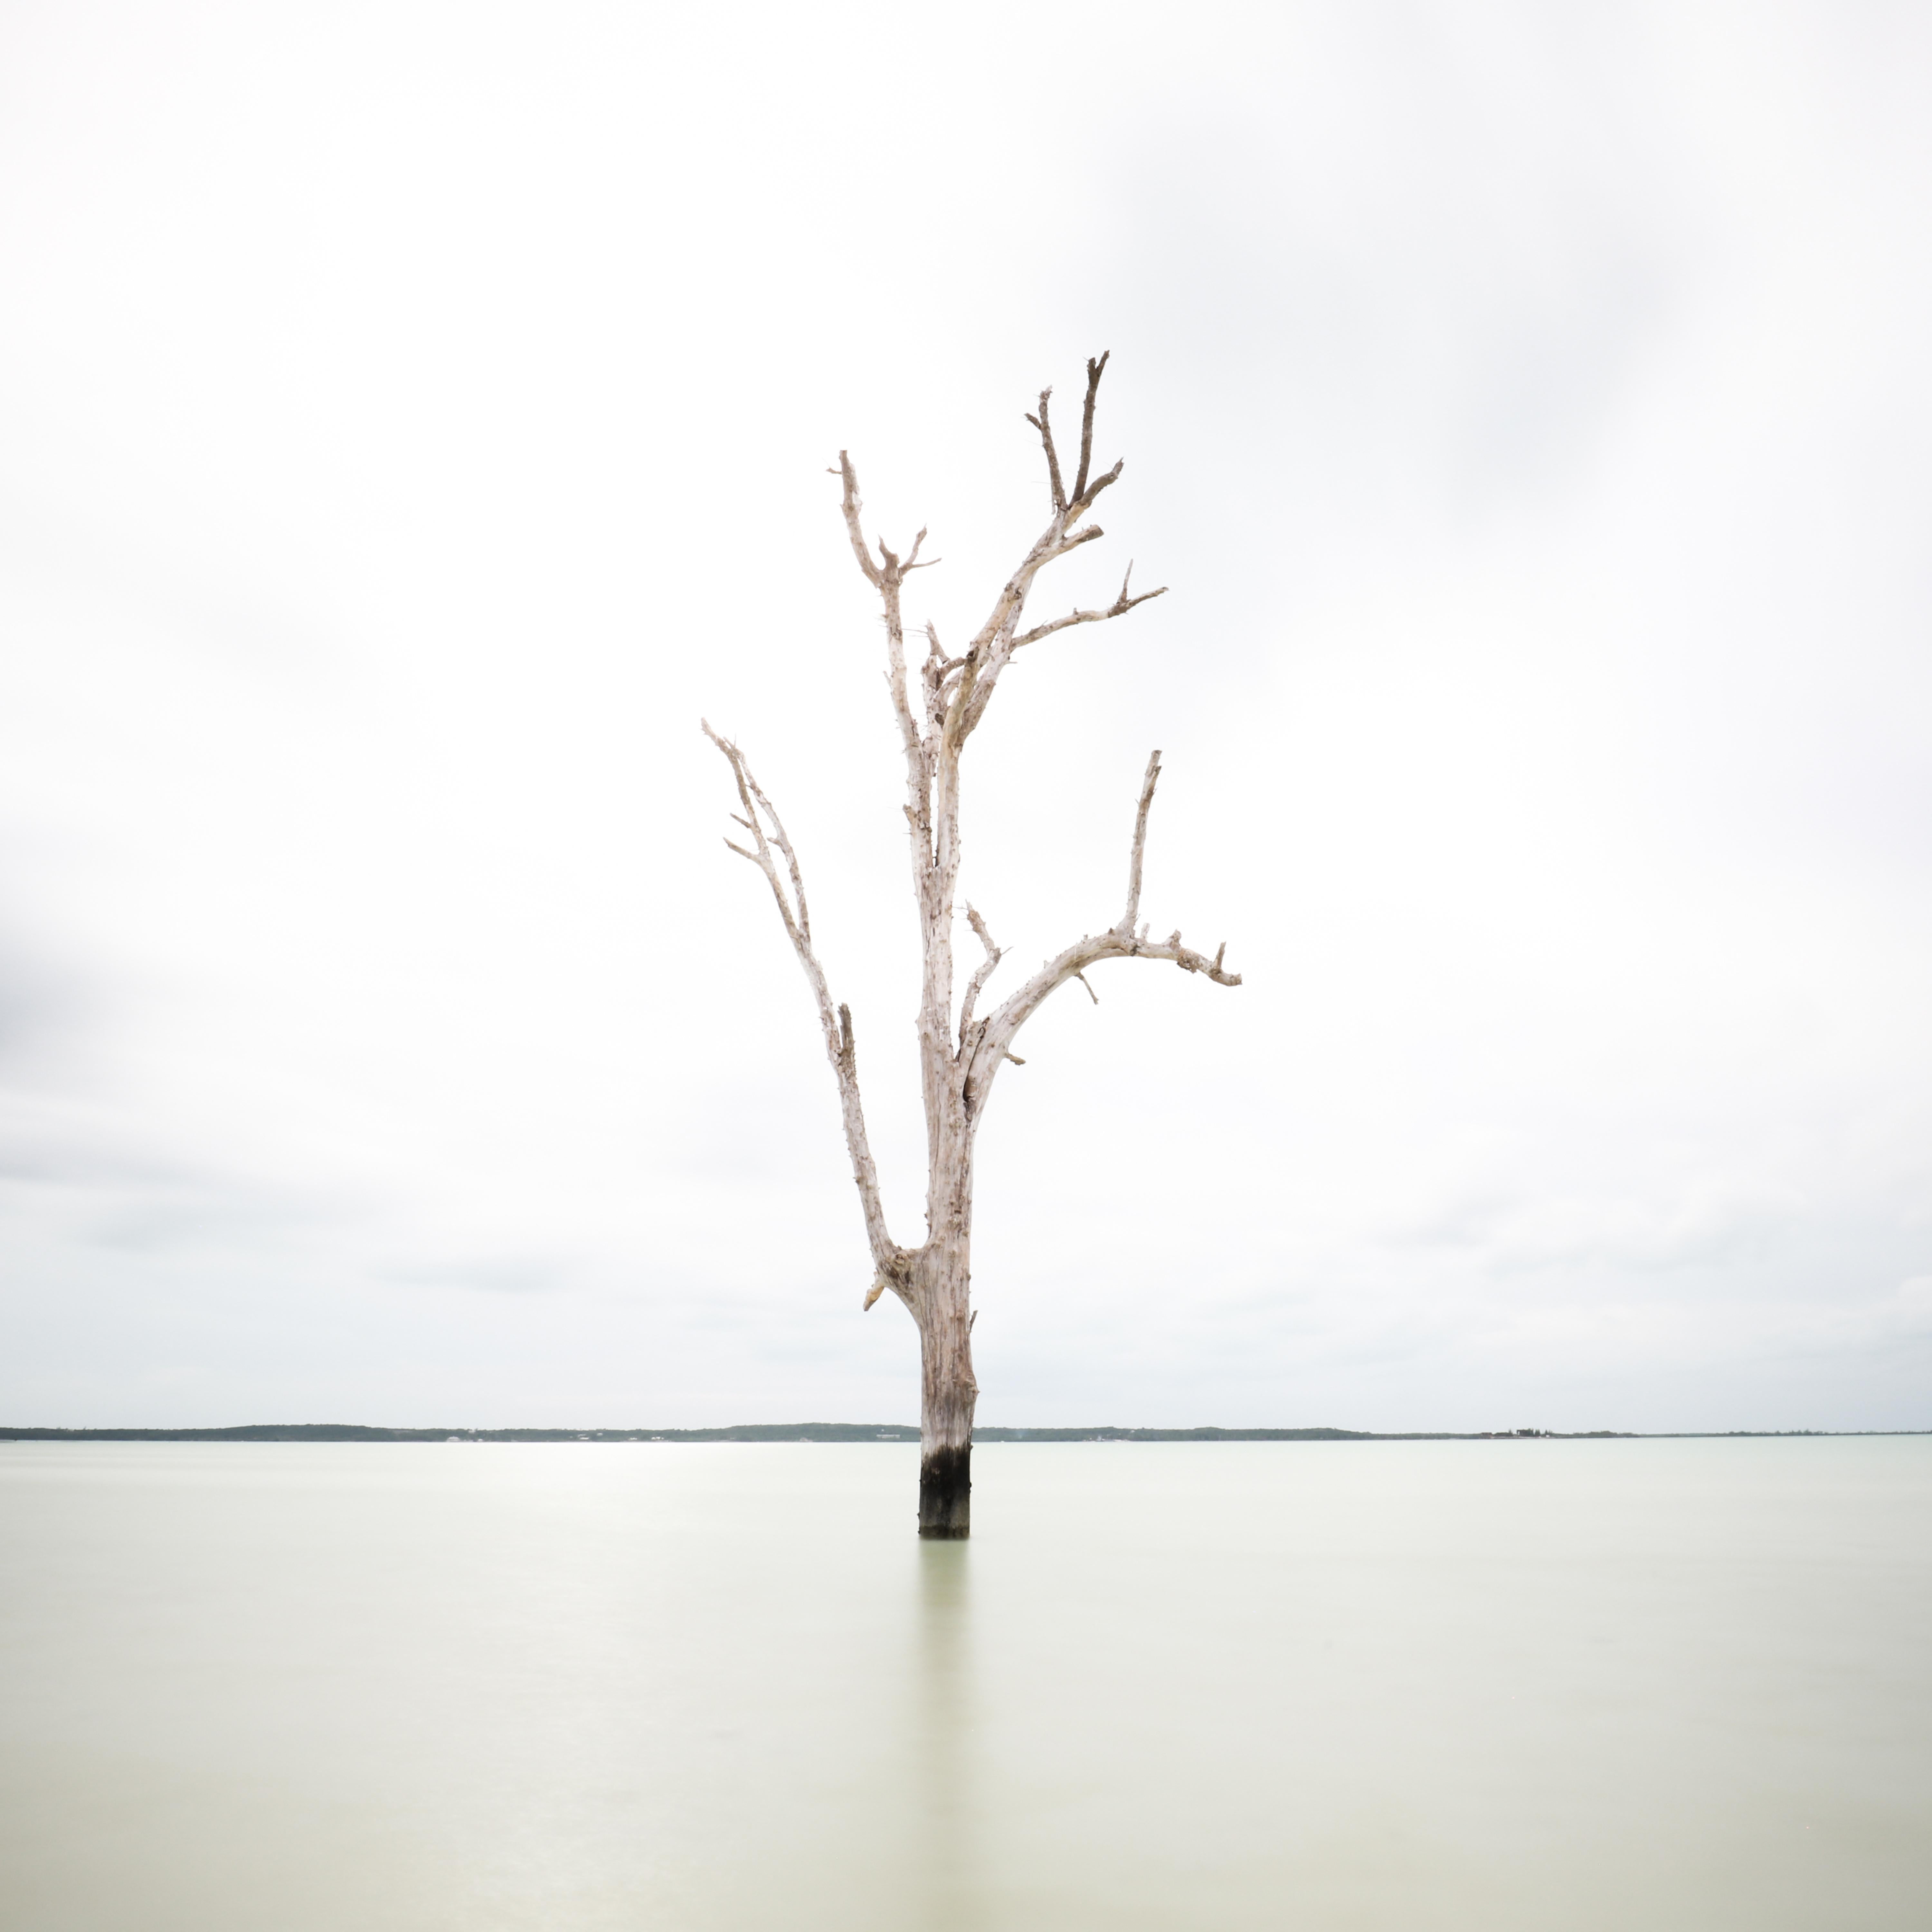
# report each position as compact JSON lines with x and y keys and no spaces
{"x":896,"y":1431}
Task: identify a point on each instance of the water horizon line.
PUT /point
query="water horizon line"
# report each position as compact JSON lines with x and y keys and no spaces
{"x":885,"y":1432}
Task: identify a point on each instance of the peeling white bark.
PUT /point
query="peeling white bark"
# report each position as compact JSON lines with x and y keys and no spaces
{"x":958,"y":1057}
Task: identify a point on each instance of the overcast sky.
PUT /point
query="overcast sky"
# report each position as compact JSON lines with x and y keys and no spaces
{"x":413,"y":415}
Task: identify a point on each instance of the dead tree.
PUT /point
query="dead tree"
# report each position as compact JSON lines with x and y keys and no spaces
{"x":960,"y":1054}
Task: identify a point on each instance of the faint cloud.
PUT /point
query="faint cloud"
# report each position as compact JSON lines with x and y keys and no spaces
{"x":43,"y":1008}
{"x":1641,"y":1233}
{"x":1909,"y":1310}
{"x":497,"y":1275}
{"x":1543,"y":378}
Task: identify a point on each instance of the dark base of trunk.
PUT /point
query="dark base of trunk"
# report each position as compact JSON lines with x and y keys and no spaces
{"x":945,"y":1492}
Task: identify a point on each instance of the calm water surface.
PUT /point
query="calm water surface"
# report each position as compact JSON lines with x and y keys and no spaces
{"x":1546,"y":1685}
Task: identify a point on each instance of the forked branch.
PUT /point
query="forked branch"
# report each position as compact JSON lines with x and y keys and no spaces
{"x":761,"y":819}
{"x":959,"y":689}
{"x":994,"y":1037}
{"x":993,"y":646}
{"x":982,"y":972}
{"x":759,"y":813}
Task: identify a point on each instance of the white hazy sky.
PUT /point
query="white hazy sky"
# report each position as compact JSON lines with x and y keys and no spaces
{"x":412,"y":415}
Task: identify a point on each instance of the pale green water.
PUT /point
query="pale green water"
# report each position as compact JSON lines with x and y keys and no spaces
{"x":1556,"y":1686}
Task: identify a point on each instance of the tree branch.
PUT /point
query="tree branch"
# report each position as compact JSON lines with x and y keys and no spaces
{"x":954,"y":713}
{"x":851,"y":507}
{"x":1043,"y":424}
{"x":992,"y":647}
{"x":995,"y":1037}
{"x":982,"y":972}
{"x":888,"y":1257}
{"x":1082,"y":503}
{"x":888,"y":576}
{"x":1094,"y":370}
{"x":997,"y":1032}
{"x":931,"y":806}
{"x":1148,"y":785}
{"x":1120,"y":606}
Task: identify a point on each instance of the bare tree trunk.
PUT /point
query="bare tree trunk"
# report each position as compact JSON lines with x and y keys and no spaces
{"x":947,"y":1390}
{"x":959,"y":1059}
